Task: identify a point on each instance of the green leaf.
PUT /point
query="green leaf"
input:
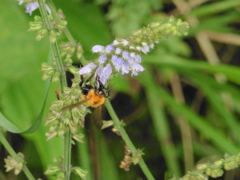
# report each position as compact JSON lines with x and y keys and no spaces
{"x":9,"y":126}
{"x":215,"y":96}
{"x":215,"y":7}
{"x":86,"y":23}
{"x":232,"y":73}
{"x":163,"y":133}
{"x":197,"y":122}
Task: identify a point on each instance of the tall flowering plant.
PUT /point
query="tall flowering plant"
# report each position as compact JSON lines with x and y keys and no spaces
{"x":122,"y":56}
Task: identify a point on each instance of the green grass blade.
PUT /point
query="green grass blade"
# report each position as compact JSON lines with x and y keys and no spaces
{"x":232,"y":73}
{"x":213,"y":94}
{"x":163,"y":133}
{"x":213,"y":8}
{"x":6,"y":124}
{"x":217,"y":137}
{"x":9,"y":126}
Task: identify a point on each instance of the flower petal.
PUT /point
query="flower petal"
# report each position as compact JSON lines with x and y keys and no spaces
{"x":87,"y":69}
{"x":97,"y":49}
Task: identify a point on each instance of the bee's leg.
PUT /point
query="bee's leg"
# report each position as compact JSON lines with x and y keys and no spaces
{"x":89,"y":79}
{"x":82,"y":81}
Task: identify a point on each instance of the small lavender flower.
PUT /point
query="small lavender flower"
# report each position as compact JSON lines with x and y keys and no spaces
{"x":87,"y":69}
{"x":124,"y":68}
{"x":104,"y":73}
{"x":138,"y":58}
{"x":145,"y":49}
{"x":102,"y":58}
{"x":98,"y":49}
{"x":33,"y":6}
{"x":109,"y":48}
{"x":125,"y":54}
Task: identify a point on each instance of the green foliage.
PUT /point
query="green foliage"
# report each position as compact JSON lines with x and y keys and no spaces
{"x":178,"y":125}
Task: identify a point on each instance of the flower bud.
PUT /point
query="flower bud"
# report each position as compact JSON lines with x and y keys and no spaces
{"x":56,"y":76}
{"x":78,"y":137}
{"x":52,"y":169}
{"x":40,"y":34}
{"x":79,"y":51}
{"x":53,"y":36}
{"x":61,"y":25}
{"x":80,"y":172}
{"x":202,"y":166}
{"x":13,"y":164}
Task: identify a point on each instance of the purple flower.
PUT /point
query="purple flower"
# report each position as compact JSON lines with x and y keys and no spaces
{"x":87,"y":69}
{"x":118,"y":64}
{"x":98,"y":49}
{"x":114,"y":58}
{"x":102,"y":58}
{"x":104,"y":73}
{"x":136,"y":67}
{"x":109,"y":48}
{"x":145,"y":49}
{"x":107,"y":70}
{"x":125,"y":68}
{"x":134,"y":73}
{"x":33,"y":6}
{"x":138,"y":58}
{"x":125,"y":54}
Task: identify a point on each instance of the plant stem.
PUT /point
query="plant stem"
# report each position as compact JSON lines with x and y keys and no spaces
{"x":126,"y":139}
{"x":15,"y":156}
{"x":54,"y":46}
{"x":63,"y":81}
{"x":67,"y":155}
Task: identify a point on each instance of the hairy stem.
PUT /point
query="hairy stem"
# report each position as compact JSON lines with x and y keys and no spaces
{"x":63,"y":81}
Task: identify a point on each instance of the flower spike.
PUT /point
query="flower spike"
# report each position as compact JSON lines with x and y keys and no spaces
{"x":124,"y":55}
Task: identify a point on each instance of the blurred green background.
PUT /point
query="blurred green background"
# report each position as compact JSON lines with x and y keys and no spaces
{"x":182,"y":110}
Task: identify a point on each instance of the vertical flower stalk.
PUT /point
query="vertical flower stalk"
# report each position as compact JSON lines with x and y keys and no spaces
{"x":57,"y":56}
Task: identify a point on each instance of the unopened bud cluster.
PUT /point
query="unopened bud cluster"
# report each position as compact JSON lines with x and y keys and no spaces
{"x":13,"y":164}
{"x":130,"y":158}
{"x":60,"y":121}
{"x":57,"y":170}
{"x":214,"y":170}
{"x":57,"y":27}
{"x":124,"y":55}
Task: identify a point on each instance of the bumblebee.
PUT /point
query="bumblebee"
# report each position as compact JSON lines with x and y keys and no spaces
{"x":92,"y":95}
{"x":95,"y":96}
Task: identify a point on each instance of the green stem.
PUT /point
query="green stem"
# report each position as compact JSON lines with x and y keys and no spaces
{"x":57,"y":57}
{"x":15,"y":156}
{"x":126,"y":139}
{"x":67,"y":155}
{"x":54,"y":46}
